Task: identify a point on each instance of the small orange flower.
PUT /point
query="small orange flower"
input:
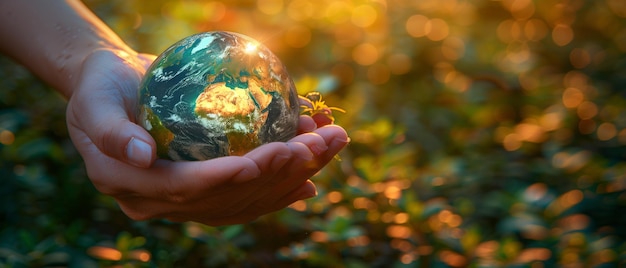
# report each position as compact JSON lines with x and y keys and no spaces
{"x":313,"y":105}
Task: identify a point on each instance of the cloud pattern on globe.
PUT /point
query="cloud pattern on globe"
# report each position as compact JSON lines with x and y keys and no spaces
{"x":216,"y":94}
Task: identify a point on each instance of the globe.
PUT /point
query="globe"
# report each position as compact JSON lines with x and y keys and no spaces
{"x":216,"y":94}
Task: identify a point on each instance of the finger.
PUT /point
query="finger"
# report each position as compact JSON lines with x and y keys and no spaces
{"x":183,"y":182}
{"x":306,"y":124}
{"x":176,"y":182}
{"x":334,"y":136}
{"x":315,"y":142}
{"x":305,"y":102}
{"x":300,"y":167}
{"x":181,"y":198}
{"x":270,"y":158}
{"x":274,"y":161}
{"x":113,"y":134}
{"x":103,"y":106}
{"x":176,"y":189}
{"x":275,"y":184}
{"x":294,"y":184}
{"x":305,"y":191}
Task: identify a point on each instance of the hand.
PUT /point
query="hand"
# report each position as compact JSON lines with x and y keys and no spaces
{"x":120,"y":156}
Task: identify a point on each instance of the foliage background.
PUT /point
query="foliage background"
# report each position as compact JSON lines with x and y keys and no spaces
{"x":484,"y":134}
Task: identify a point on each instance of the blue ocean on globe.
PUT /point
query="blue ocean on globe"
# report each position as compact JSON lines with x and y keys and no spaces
{"x":216,"y":94}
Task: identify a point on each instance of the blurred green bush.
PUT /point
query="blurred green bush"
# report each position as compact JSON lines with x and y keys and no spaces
{"x":484,"y":134}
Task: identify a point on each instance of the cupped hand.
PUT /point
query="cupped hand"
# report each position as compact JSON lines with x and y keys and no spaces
{"x":121,"y":161}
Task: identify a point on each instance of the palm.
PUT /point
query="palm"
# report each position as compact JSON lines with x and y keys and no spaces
{"x":226,"y":190}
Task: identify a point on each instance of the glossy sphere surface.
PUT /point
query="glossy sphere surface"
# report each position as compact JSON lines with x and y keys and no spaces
{"x":216,"y":94}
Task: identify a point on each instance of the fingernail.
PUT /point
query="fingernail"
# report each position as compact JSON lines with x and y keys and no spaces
{"x":308,"y":194}
{"x":339,"y":142}
{"x":138,"y":153}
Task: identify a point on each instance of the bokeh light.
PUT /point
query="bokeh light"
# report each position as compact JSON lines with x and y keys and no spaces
{"x":483,"y":134}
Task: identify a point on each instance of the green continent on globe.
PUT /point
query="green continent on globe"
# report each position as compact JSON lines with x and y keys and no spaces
{"x":216,"y":94}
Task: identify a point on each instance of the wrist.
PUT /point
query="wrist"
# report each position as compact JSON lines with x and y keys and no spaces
{"x":68,"y":65}
{"x":76,"y":39}
{"x":53,"y":38}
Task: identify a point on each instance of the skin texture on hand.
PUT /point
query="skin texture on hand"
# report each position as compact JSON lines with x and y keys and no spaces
{"x":225,"y":190}
{"x":101,"y":79}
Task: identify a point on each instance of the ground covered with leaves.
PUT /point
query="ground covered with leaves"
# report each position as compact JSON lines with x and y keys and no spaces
{"x":484,"y":134}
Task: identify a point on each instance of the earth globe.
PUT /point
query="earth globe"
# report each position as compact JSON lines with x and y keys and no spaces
{"x":217,"y":94}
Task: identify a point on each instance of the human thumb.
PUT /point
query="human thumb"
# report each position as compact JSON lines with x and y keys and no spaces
{"x":111,"y":133}
{"x":99,"y":113}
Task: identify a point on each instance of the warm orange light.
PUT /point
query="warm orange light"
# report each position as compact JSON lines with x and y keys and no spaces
{"x":574,"y":222}
{"x":401,"y":218}
{"x":551,"y":121}
{"x":452,"y":258}
{"x":437,"y":29}
{"x":571,"y":162}
{"x":399,"y":231}
{"x":338,"y":12}
{"x":530,"y":132}
{"x":416,"y":25}
{"x":487,"y":249}
{"x":319,"y":236}
{"x":250,"y":48}
{"x":363,"y":203}
{"x":358,"y":241}
{"x":393,"y":192}
{"x":365,"y":54}
{"x":565,"y":202}
{"x":453,"y":48}
{"x":587,"y":110}
{"x":364,"y":16}
{"x":520,"y":9}
{"x":571,"y":198}
{"x":444,"y":215}
{"x":618,"y":7}
{"x":105,"y":253}
{"x":6,"y":137}
{"x":141,"y":255}
{"x":215,"y":11}
{"x":606,"y":131}
{"x":512,"y":142}
{"x":580,"y":58}
{"x":407,"y":258}
{"x":270,"y":7}
{"x":298,"y":36}
{"x":509,"y":31}
{"x":401,"y":244}
{"x":562,"y":34}
{"x":572,"y":97}
{"x":300,"y":10}
{"x":622,"y":136}
{"x":535,"y":29}
{"x":299,"y":205}
{"x":388,"y":216}
{"x":535,"y":192}
{"x":438,"y":181}
{"x":534,"y":254}
{"x":334,"y":197}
